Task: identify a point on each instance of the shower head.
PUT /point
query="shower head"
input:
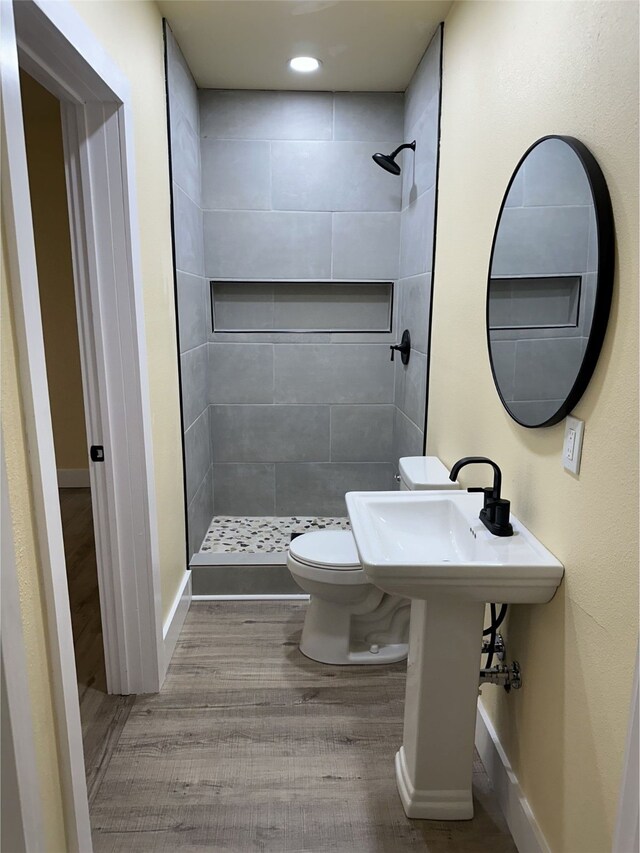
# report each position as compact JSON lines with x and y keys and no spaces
{"x":388,"y":161}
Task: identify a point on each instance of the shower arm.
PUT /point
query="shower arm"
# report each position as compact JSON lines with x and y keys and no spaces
{"x":411,"y":145}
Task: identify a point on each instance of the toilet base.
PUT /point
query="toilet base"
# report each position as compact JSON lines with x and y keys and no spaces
{"x":334,"y":634}
{"x":391,"y":653}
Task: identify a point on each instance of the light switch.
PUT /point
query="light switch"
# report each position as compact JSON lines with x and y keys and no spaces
{"x":572,"y":448}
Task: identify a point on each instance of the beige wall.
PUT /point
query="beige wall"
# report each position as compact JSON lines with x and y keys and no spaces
{"x":43,"y":133}
{"x":131,"y":33}
{"x":514,"y":72}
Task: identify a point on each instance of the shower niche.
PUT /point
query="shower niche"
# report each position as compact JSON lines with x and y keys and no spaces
{"x":298,"y":262}
{"x":301,"y":306}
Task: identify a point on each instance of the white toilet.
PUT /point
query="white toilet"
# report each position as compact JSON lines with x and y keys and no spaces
{"x":349,"y":620}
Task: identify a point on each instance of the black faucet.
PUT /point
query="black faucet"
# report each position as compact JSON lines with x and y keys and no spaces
{"x":495,"y":512}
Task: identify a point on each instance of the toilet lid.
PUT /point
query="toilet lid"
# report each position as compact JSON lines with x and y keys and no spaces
{"x":331,"y":549}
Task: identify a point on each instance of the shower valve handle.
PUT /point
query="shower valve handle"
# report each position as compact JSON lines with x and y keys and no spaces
{"x":404,"y":347}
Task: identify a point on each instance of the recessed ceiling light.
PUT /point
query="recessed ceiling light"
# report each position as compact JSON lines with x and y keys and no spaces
{"x":304,"y":64}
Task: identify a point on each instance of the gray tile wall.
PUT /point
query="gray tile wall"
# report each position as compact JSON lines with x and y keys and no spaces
{"x":192,"y":290}
{"x":281,"y":185}
{"x":547,"y":229}
{"x":421,"y":118}
{"x":289,"y":191}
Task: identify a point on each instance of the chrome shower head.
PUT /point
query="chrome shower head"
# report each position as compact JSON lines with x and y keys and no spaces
{"x":388,"y":161}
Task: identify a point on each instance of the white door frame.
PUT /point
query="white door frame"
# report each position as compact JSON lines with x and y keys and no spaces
{"x":59,"y":51}
{"x":17,"y":720}
{"x":56,"y":48}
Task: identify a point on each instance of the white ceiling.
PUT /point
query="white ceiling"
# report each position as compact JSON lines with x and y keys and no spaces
{"x":364,"y":45}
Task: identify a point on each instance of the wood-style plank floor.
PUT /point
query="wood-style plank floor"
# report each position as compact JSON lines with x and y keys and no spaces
{"x":102,"y":715}
{"x":250,"y":746}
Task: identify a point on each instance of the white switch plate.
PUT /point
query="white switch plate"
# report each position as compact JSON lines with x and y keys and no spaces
{"x":572,"y":447}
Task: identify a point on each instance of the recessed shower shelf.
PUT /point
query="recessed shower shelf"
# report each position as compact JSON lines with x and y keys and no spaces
{"x":534,"y":302}
{"x":301,"y":306}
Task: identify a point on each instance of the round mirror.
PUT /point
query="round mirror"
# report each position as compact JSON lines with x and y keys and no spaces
{"x":550,"y":281}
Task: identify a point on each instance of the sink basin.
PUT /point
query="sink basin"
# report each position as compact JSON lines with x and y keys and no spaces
{"x":420,"y":544}
{"x":432,"y":547}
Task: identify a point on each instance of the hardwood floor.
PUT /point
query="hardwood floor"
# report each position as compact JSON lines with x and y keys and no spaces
{"x":102,"y":716}
{"x":249,"y":746}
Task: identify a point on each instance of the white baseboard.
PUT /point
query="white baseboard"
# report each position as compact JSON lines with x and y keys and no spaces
{"x":175,"y":620}
{"x":73,"y":478}
{"x":527,"y":835}
{"x":627,"y":832}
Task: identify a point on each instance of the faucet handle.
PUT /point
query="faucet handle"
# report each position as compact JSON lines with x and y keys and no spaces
{"x":404,"y":347}
{"x":488,"y":493}
{"x":497,"y":514}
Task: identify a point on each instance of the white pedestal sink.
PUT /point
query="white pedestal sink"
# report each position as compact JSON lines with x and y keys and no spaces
{"x":432,"y":547}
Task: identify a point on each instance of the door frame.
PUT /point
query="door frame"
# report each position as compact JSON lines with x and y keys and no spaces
{"x":57,"y":49}
{"x":51,"y":42}
{"x":19,"y":761}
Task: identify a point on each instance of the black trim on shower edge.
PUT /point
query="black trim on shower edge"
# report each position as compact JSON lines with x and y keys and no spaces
{"x":165,"y":27}
{"x":435,"y":232}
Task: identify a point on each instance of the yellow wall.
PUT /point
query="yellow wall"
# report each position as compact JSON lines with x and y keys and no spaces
{"x":514,"y":72}
{"x":43,"y":133}
{"x":131,"y":33}
{"x":29,"y":580}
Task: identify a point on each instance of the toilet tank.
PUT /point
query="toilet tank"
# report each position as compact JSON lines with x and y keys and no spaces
{"x":425,"y":473}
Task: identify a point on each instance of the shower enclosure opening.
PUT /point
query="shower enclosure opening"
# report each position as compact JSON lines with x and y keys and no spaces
{"x":298,"y":263}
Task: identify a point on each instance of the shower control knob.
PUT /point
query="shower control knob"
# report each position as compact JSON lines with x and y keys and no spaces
{"x":404,"y":347}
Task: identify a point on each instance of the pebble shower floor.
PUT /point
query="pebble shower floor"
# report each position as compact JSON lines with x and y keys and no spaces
{"x":261,"y":534}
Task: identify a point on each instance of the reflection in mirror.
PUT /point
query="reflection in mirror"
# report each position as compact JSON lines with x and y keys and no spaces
{"x":546,"y":279}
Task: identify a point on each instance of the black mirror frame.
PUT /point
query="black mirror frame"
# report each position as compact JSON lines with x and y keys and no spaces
{"x":604,"y":281}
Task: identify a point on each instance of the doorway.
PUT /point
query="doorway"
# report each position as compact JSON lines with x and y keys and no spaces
{"x":100,"y":713}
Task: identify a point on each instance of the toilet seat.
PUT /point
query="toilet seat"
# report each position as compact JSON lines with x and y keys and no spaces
{"x":331,"y":549}
{"x":328,"y":557}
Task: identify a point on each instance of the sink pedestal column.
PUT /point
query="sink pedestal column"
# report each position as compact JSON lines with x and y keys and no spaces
{"x":434,"y":764}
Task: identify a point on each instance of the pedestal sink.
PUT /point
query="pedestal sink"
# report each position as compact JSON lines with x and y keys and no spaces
{"x":432,"y":547}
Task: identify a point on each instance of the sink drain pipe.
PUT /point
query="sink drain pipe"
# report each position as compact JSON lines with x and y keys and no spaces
{"x":496,"y":620}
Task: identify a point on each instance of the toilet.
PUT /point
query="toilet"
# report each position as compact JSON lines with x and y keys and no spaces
{"x":349,"y":620}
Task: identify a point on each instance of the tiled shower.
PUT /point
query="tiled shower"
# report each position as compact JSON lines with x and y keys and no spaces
{"x":298,"y":263}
